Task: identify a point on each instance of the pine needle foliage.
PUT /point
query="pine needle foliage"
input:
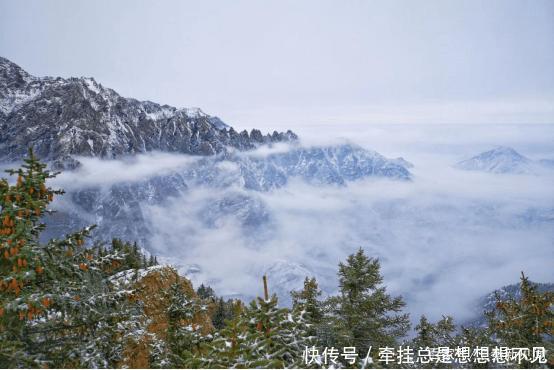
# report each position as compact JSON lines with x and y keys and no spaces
{"x":57,"y":306}
{"x":363,"y":314}
{"x":527,"y":321}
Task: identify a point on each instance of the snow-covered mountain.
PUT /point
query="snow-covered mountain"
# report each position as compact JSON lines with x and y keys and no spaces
{"x":402,"y":162}
{"x":317,"y":165}
{"x":505,"y":160}
{"x":68,"y":120}
{"x":498,"y":160}
{"x":78,"y":125}
{"x":63,"y":118}
{"x":118,"y":208}
{"x":285,"y":276}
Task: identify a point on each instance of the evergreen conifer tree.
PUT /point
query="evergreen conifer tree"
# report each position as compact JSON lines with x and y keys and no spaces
{"x":308,"y":300}
{"x":56,"y":301}
{"x":184,"y":335}
{"x":473,"y":337}
{"x":364,"y":315}
{"x":276,"y":335}
{"x":223,"y":312}
{"x":260,"y":336}
{"x":525,"y":322}
{"x":230,"y":347}
{"x":205,"y":292}
{"x":425,"y":334}
{"x":429,"y":335}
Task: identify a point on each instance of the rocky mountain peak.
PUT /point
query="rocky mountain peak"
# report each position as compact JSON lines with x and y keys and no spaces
{"x":12,"y":75}
{"x":504,"y":151}
{"x":63,"y":119}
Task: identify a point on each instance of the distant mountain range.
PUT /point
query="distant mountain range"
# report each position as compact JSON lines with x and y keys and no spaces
{"x":504,"y":160}
{"x":118,"y":209}
{"x":63,"y":118}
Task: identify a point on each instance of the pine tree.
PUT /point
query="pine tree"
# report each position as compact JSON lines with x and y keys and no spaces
{"x":223,"y":312}
{"x":205,"y":292}
{"x":134,"y":259}
{"x":445,"y":332}
{"x":56,"y":302}
{"x":425,"y":334}
{"x":525,"y":322}
{"x":364,"y":315}
{"x":135,"y":249}
{"x":308,"y":300}
{"x":472,"y":338}
{"x":230,"y":347}
{"x":429,"y":335}
{"x":184,"y":336}
{"x":260,"y":336}
{"x":276,"y":336}
{"x":435,"y":335}
{"x":22,"y":205}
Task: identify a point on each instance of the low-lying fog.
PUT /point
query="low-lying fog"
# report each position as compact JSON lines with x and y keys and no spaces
{"x":444,"y":239}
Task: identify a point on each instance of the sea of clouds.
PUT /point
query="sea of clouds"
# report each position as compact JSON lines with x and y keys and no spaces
{"x":444,"y":239}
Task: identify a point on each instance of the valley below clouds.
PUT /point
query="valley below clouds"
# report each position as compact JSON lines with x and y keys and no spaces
{"x":445,"y":237}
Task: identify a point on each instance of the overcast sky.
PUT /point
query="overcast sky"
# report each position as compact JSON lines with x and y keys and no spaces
{"x":290,"y":63}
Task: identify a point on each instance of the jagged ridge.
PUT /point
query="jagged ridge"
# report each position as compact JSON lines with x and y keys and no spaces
{"x":118,"y":208}
{"x":63,"y":118}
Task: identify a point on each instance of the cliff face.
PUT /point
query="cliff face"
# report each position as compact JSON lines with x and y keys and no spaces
{"x":150,"y":289}
{"x":64,"y":118}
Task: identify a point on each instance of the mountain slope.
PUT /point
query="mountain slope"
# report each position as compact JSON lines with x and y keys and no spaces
{"x":118,"y":208}
{"x":78,"y":125}
{"x":63,"y":118}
